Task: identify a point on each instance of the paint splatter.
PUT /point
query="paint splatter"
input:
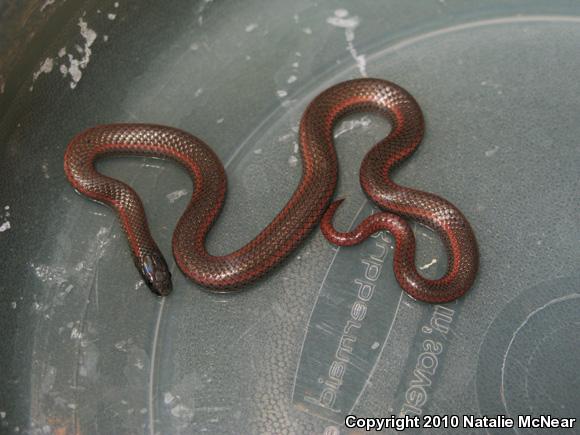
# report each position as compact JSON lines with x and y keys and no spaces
{"x":45,"y":172}
{"x":45,"y":68}
{"x":46,"y":4}
{"x":492,"y":151}
{"x":251,"y":27}
{"x":428,"y":265}
{"x":342,"y":19}
{"x":5,"y":226}
{"x":76,"y":65}
{"x":347,"y":126}
{"x":174,"y":196}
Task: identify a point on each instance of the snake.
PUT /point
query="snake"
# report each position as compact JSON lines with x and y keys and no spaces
{"x":310,"y":204}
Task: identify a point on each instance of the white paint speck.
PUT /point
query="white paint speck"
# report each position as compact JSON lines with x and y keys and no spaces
{"x":168,"y":398}
{"x":76,"y":334}
{"x":251,"y":27}
{"x":111,"y":16}
{"x":89,"y":35}
{"x":375,"y":345}
{"x":219,"y":121}
{"x":45,"y":68}
{"x":121,"y":346}
{"x":62,"y":52}
{"x":292,"y":161}
{"x":347,"y":126}
{"x":307,"y":30}
{"x":291,"y":79}
{"x":46,"y":4}
{"x":342,"y":19}
{"x":13,"y":304}
{"x":492,"y":151}
{"x":285,"y":137}
{"x":75,"y":73}
{"x":116,"y":4}
{"x":495,"y":86}
{"x":281,"y":93}
{"x":194,"y":47}
{"x":174,"y":196}
{"x":5,"y":226}
{"x":428,"y":265}
{"x":105,"y":38}
{"x":44,"y":167}
{"x":182,"y":411}
{"x":198,"y":92}
{"x":258,"y":151}
{"x":295,"y":65}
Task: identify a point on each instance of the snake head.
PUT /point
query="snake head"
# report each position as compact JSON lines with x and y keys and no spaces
{"x":156,"y":274}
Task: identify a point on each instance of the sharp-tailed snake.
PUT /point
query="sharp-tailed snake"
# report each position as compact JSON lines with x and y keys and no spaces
{"x":308,"y":206}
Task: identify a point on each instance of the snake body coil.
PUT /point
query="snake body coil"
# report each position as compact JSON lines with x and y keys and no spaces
{"x":303,"y":211}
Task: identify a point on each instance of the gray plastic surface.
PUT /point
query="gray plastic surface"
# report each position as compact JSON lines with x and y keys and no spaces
{"x":86,"y":348}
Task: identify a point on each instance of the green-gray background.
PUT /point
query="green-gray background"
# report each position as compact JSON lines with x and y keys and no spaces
{"x":86,"y":347}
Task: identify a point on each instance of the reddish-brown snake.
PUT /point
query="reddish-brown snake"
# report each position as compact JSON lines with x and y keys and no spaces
{"x":308,"y":205}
